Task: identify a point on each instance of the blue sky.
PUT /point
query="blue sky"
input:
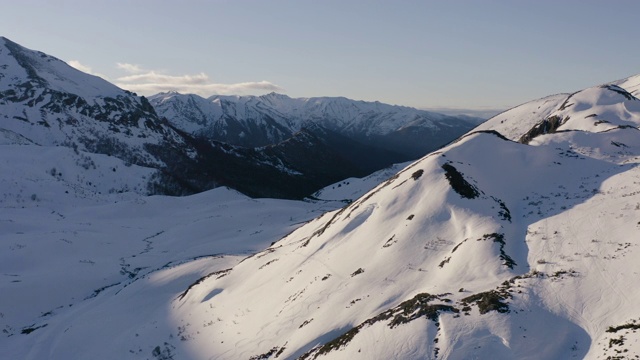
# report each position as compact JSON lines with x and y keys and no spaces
{"x":429,"y":54}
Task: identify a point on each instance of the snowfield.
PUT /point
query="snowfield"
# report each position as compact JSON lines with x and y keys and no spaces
{"x":90,"y":269}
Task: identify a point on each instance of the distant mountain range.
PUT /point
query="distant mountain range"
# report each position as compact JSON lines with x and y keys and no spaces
{"x":319,"y":140}
{"x":254,"y":121}
{"x":268,"y":146}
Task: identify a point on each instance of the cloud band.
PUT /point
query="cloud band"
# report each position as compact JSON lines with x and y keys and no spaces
{"x":149,"y":82}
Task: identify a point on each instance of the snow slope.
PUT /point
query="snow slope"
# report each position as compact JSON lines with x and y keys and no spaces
{"x":350,"y":189}
{"x":19,"y":64}
{"x":631,"y":84}
{"x":45,"y":102}
{"x":106,"y":267}
{"x":488,"y":248}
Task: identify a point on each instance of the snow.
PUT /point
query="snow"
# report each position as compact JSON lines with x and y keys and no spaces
{"x":192,"y":113}
{"x":352,"y":188}
{"x":415,"y":234}
{"x":97,"y":260}
{"x":48,"y":103}
{"x":515,"y":122}
{"x":631,"y":84}
{"x":487,"y":248}
{"x":58,"y":74}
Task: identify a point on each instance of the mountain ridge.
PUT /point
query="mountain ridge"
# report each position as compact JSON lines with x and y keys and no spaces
{"x":252,"y":121}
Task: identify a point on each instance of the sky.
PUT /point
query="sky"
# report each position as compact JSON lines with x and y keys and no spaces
{"x":453,"y":54}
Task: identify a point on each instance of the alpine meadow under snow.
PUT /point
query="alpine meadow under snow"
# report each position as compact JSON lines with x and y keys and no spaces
{"x":519,"y":240}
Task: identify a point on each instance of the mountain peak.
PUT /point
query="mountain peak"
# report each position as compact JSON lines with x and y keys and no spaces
{"x":6,"y":39}
{"x":51,"y":73}
{"x":275,"y":99}
{"x":274,"y":94}
{"x":49,"y":103}
{"x":631,"y":84}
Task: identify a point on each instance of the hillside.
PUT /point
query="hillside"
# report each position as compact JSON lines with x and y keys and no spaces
{"x":489,"y":248}
{"x":45,"y":102}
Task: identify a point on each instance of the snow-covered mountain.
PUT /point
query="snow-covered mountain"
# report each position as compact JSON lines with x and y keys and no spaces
{"x":488,"y":248}
{"x":253,"y":121}
{"x":50,"y":103}
{"x":45,"y":102}
{"x":598,"y":109}
{"x":517,"y":241}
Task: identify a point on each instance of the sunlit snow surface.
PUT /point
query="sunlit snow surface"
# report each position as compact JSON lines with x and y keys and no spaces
{"x":565,"y":206}
{"x":108,"y":267}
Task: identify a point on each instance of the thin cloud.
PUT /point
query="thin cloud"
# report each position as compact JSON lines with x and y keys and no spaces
{"x":154,"y":77}
{"x":130,"y":68}
{"x":151,"y":82}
